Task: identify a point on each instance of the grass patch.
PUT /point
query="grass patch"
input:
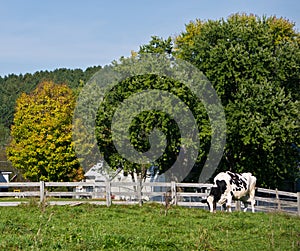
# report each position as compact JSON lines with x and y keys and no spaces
{"x":90,"y":227}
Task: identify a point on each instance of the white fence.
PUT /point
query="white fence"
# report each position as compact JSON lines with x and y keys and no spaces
{"x":107,"y":193}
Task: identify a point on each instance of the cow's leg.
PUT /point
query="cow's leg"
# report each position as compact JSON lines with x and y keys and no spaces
{"x":252,"y":205}
{"x":245,"y":206}
{"x":224,"y":206}
{"x":245,"y":203}
{"x":214,"y":207}
{"x":211,"y":204}
{"x":228,"y":203}
{"x":252,"y":199}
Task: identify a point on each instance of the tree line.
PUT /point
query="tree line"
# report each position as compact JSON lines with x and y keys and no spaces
{"x":253,"y":64}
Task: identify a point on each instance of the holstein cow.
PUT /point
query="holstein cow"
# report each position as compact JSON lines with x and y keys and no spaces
{"x":230,"y":186}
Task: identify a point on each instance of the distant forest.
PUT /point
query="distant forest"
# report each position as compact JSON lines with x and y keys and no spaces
{"x":13,"y":85}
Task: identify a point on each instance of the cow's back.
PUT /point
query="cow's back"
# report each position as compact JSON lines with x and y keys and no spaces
{"x":244,"y":186}
{"x":222,"y":176}
{"x":239,"y":185}
{"x":251,"y":180}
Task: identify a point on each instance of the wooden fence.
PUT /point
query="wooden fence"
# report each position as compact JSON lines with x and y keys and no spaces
{"x":107,"y":193}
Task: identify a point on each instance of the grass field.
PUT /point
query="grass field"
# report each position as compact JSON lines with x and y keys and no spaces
{"x":88,"y":227}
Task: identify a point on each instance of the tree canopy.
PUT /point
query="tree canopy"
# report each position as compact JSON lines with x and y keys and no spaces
{"x":254,"y":65}
{"x":41,"y":145}
{"x":146,"y":122}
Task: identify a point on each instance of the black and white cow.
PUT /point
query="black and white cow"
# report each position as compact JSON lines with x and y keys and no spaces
{"x":230,"y":186}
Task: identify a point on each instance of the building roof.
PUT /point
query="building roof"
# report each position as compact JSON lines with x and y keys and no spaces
{"x":99,"y":173}
{"x":3,"y":174}
{"x":96,"y":172}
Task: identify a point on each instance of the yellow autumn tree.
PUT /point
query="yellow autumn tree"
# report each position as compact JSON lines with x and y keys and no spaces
{"x":41,"y":146}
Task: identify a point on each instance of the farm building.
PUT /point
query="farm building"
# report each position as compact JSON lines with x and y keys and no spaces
{"x":98,"y":174}
{"x":4,"y":178}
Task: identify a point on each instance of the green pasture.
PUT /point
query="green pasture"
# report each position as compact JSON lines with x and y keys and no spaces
{"x":90,"y":227}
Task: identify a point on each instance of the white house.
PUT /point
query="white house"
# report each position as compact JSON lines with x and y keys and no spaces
{"x":98,"y":173}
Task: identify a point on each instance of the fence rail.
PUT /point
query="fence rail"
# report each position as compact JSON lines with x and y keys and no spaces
{"x":107,"y":193}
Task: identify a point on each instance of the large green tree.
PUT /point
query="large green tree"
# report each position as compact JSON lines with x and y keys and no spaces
{"x":146,"y":122}
{"x":41,"y":146}
{"x":254,"y":65}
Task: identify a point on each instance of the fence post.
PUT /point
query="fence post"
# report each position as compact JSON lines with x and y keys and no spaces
{"x":42,"y":191}
{"x":94,"y":190}
{"x":108,"y":193}
{"x":278,"y":200}
{"x":173,"y":193}
{"x":139,"y":191}
{"x":298,"y":203}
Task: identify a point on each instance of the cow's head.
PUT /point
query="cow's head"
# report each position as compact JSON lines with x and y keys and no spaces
{"x":215,"y":194}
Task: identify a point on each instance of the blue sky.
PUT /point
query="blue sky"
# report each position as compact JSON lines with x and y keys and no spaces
{"x":45,"y":35}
